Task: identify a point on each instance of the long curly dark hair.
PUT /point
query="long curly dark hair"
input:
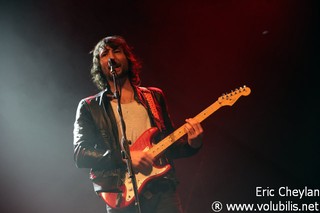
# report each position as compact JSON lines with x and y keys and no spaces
{"x":98,"y":77}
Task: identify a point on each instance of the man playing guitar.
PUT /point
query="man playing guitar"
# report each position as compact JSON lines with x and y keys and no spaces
{"x":97,"y":135}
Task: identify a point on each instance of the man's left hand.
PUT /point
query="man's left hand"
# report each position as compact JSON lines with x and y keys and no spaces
{"x":195,"y":132}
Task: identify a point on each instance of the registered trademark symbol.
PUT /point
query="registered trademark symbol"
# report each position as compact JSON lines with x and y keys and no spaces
{"x":216,"y":206}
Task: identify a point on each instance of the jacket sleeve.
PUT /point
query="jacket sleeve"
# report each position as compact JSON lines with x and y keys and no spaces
{"x":86,"y":139}
{"x":180,"y":148}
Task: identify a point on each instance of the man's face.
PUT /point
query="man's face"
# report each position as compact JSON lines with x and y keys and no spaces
{"x":121,"y":67}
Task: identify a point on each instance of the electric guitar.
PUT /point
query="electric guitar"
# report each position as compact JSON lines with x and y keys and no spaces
{"x":124,"y":199}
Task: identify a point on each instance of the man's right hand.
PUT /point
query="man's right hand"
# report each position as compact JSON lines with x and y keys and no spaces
{"x":141,"y":162}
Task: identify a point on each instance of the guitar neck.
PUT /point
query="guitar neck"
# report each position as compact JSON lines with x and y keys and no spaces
{"x":157,"y":149}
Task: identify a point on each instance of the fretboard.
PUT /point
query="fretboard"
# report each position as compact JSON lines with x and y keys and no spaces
{"x":157,"y":149}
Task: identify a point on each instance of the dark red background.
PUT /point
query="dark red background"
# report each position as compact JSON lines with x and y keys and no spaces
{"x":194,"y":51}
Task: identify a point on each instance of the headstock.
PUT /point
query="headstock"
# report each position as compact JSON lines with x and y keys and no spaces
{"x":233,"y":96}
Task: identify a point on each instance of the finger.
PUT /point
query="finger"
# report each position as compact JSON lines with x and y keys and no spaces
{"x":198,"y":128}
{"x":195,"y":125}
{"x":147,"y":162}
{"x":137,"y":168}
{"x":192,"y":125}
{"x":147,"y":158}
{"x":189,"y":129}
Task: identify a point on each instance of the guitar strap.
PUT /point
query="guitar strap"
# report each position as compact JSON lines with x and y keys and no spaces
{"x":157,"y":117}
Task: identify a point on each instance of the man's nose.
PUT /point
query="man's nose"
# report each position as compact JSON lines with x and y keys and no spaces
{"x":111,"y":55}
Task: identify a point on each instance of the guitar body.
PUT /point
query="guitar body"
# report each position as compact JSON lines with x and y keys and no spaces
{"x":124,"y":199}
{"x":143,"y":143}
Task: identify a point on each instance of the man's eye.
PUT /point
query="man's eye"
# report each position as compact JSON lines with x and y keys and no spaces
{"x":103,"y":54}
{"x":117,"y":51}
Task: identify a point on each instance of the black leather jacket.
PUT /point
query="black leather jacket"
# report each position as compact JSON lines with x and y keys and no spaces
{"x":96,"y":142}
